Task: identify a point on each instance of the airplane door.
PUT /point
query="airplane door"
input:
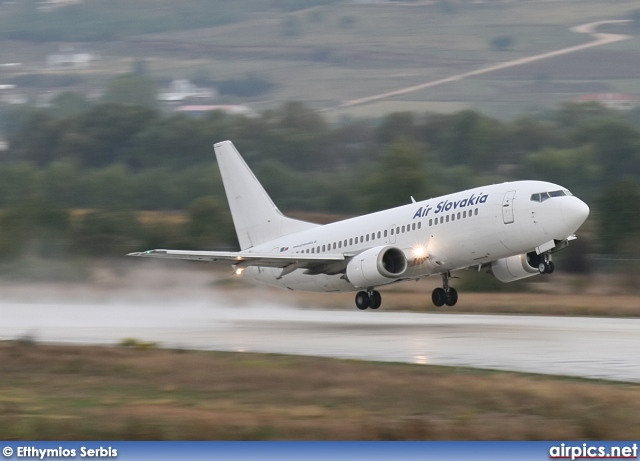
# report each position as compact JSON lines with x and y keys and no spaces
{"x":507,"y":207}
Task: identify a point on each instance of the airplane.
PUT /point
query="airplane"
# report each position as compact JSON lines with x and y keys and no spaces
{"x":510,"y":230}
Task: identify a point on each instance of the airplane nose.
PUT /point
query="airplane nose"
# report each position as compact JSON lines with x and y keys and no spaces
{"x":575,"y":212}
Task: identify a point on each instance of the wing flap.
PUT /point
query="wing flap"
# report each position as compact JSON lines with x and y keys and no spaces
{"x":245,"y":258}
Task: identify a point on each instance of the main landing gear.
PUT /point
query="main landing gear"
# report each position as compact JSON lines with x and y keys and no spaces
{"x":368,"y":299}
{"x":445,"y":295}
{"x":546,"y":266}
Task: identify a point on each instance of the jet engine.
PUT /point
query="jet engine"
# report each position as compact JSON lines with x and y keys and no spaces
{"x":516,"y":267}
{"x":376,"y":266}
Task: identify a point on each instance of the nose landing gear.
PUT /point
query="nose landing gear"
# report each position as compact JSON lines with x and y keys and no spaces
{"x":368,"y":299}
{"x":445,"y":295}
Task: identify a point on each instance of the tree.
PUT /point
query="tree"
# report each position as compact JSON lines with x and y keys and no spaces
{"x":108,"y":232}
{"x":395,"y":126}
{"x":399,"y":176}
{"x":210,"y":224}
{"x":176,"y":142}
{"x":620,"y":217}
{"x":34,"y":225}
{"x":105,"y":134}
{"x":469,"y":138}
{"x":576,"y":168}
{"x":68,"y":104}
{"x":502,"y":43}
{"x":132,"y":89}
{"x":617,"y":146}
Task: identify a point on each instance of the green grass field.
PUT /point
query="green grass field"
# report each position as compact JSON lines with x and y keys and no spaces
{"x":117,"y":393}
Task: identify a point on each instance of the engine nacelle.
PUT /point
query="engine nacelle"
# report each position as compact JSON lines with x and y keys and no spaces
{"x":376,"y":266}
{"x":516,"y":267}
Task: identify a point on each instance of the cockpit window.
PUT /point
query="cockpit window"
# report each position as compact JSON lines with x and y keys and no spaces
{"x":542,"y":196}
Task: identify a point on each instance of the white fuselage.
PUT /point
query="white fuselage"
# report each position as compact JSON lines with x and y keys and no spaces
{"x":455,"y":231}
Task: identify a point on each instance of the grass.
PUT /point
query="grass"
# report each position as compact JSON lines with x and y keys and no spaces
{"x":80,"y":393}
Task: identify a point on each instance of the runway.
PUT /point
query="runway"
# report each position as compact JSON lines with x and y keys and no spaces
{"x":586,"y":347}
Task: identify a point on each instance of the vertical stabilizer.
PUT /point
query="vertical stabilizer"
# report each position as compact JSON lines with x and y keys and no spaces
{"x":256,"y":218}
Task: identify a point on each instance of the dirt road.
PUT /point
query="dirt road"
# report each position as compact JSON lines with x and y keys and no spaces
{"x":601,"y":39}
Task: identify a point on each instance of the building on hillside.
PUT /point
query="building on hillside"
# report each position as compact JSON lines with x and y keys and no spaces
{"x":9,"y":94}
{"x":182,"y":89}
{"x":198,"y":110}
{"x":616,"y":101}
{"x":50,"y":5}
{"x":68,"y":57}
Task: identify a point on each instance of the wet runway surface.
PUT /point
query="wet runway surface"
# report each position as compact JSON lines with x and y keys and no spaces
{"x":588,"y":347}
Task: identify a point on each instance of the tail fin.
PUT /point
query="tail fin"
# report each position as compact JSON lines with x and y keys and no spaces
{"x":255,"y":216}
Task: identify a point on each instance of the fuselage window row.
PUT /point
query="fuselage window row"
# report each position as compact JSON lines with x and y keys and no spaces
{"x":398,"y":230}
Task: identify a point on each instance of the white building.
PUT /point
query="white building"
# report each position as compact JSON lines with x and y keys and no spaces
{"x":233,"y":109}
{"x":617,"y":101}
{"x":68,"y":57}
{"x":181,"y":89}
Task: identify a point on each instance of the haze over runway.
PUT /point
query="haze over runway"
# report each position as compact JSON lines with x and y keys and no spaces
{"x":606,"y":348}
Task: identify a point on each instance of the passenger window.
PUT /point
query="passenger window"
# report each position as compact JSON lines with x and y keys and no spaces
{"x":361,"y":239}
{"x":351,"y":241}
{"x":334,"y":245}
{"x":476,"y":212}
{"x":339,"y":244}
{"x":420,"y":225}
{"x":324,"y":248}
{"x":385,"y":234}
{"x":367,"y":237}
{"x":379,"y":234}
{"x":345,"y":243}
{"x":403,"y":229}
{"x":430,"y":222}
{"x":413,"y":226}
{"x":441,"y":219}
{"x":318,"y":250}
{"x":453,"y":217}
{"x":464,"y":214}
{"x":373,"y":236}
{"x":435,"y":221}
{"x":392,"y":229}
{"x":447,"y":218}
{"x":458,"y":215}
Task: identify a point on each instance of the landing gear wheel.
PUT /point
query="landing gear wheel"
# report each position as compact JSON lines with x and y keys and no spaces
{"x":546,"y":267}
{"x":451,"y":297}
{"x":375,"y":300}
{"x":438,"y":297}
{"x":362,"y":300}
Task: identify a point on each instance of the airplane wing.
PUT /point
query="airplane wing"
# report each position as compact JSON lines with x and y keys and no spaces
{"x":314,"y":263}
